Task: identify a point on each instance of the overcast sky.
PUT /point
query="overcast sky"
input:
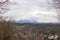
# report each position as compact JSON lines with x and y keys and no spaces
{"x":33,"y":8}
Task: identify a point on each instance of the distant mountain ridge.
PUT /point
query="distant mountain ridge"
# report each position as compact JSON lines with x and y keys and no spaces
{"x":32,"y":21}
{"x":25,"y":21}
{"x":37,"y":18}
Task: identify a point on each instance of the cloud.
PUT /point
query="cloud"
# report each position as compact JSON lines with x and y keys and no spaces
{"x":28,"y":8}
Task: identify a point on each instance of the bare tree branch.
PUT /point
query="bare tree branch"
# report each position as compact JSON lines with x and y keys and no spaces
{"x":56,"y":5}
{"x":5,"y":6}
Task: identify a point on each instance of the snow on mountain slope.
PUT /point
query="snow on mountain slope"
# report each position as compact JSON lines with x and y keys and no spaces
{"x":27,"y":21}
{"x":39,"y":18}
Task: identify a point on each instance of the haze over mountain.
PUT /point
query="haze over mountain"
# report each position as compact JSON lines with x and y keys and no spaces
{"x":37,"y":19}
{"x":35,"y":9}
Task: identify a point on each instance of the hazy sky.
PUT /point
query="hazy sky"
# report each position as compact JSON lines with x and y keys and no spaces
{"x":33,"y":9}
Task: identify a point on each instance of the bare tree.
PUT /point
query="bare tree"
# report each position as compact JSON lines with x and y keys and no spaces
{"x":5,"y":6}
{"x":56,"y":5}
{"x":8,"y":30}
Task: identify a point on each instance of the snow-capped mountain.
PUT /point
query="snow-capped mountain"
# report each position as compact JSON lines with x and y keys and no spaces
{"x":25,"y":21}
{"x":37,"y":19}
{"x":32,"y":21}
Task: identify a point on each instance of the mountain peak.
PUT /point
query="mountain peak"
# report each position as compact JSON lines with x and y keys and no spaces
{"x":27,"y":21}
